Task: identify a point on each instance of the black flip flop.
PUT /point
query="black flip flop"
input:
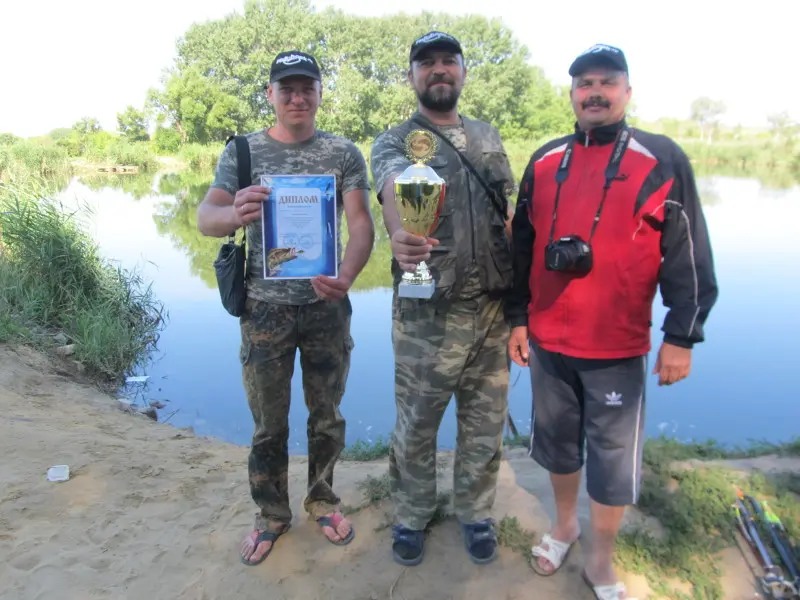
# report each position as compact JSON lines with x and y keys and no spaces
{"x":328,"y":522}
{"x":264,"y":536}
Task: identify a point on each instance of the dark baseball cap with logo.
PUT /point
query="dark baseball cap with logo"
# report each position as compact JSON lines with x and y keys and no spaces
{"x":599,"y":55}
{"x":294,"y":62}
{"x":434,"y":40}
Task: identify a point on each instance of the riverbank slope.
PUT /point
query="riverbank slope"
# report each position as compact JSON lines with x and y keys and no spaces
{"x":152,"y":512}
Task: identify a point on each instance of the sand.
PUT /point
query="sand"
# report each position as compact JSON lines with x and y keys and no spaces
{"x":153,"y":512}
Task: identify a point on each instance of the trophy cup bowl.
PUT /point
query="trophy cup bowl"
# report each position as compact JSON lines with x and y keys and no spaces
{"x":419,"y":196}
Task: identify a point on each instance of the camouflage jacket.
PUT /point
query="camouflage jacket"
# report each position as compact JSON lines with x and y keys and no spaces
{"x":324,"y":153}
{"x":471,"y":229}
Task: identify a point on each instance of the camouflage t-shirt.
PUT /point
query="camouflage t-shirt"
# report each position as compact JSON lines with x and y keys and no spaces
{"x":324,"y":153}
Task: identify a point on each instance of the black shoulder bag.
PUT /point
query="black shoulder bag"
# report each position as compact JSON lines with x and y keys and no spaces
{"x":498,"y":199}
{"x":230,"y":264}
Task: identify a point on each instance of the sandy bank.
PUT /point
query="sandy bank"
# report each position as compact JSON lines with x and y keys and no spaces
{"x":152,"y":512}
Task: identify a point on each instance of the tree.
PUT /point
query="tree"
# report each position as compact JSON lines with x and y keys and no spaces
{"x":132,"y":124}
{"x":216,"y":86}
{"x":783,"y":127}
{"x":706,"y":112}
{"x":87,"y":125}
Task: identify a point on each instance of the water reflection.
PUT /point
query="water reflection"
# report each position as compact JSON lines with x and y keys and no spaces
{"x":740,"y":386}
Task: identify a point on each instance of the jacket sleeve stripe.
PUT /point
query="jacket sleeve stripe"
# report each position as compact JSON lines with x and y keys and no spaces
{"x":690,"y":250}
{"x":687,"y":279}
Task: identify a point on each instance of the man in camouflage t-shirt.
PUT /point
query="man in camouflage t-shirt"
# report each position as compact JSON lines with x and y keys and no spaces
{"x":456,"y":342}
{"x":281,"y":317}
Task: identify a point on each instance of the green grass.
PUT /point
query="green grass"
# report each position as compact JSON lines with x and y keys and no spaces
{"x":513,"y":536}
{"x":123,"y":152}
{"x":53,"y":279}
{"x":690,"y":494}
{"x":23,"y":159}
{"x":693,"y":504}
{"x":365,"y":451}
{"x":683,"y":488}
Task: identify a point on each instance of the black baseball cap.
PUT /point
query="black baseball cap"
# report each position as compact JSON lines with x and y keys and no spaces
{"x":434,"y":39}
{"x":294,"y":62}
{"x":599,"y":55}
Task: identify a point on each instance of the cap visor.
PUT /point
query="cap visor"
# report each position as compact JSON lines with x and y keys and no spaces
{"x":587,"y":62}
{"x":294,"y":73}
{"x":438,"y":45}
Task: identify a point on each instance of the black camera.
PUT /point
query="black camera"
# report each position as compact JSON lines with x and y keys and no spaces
{"x":569,"y":254}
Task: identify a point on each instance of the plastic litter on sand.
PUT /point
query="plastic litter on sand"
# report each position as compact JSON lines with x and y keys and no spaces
{"x":58,"y":473}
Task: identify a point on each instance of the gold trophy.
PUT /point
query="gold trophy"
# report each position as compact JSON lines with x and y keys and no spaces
{"x":419,"y":196}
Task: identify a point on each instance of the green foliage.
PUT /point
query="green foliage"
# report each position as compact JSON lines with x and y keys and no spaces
{"x":166,"y":140}
{"x":693,"y":502}
{"x":198,"y":156}
{"x":7,"y":139}
{"x":217,"y":85}
{"x":132,"y":124}
{"x":87,"y":125}
{"x":53,"y":278}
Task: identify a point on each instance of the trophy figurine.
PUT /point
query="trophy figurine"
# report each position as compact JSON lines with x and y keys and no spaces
{"x":419,"y":196}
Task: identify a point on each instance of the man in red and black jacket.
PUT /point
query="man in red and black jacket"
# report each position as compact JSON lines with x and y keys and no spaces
{"x":604,"y":216}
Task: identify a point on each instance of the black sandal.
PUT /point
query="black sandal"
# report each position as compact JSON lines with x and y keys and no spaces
{"x":264,"y":536}
{"x":408,"y":545}
{"x":480,"y":540}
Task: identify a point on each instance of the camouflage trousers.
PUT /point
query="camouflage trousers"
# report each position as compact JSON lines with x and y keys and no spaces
{"x":271,"y":335}
{"x":456,"y":351}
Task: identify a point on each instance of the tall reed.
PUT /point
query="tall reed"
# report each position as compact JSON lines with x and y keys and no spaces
{"x":53,"y":278}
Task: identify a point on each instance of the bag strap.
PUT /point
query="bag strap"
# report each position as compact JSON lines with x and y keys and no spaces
{"x":243,"y":161}
{"x":501,"y":203}
{"x":244,"y":170}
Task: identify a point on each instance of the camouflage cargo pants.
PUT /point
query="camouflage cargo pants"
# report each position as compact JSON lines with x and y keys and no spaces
{"x":461,"y":351}
{"x":271,"y":335}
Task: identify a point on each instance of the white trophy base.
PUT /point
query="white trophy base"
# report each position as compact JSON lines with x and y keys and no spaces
{"x":423,"y":291}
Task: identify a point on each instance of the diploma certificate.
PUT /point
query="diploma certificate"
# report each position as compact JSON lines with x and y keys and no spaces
{"x":299,"y":227}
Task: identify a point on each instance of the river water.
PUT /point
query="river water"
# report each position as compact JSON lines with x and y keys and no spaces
{"x":741,"y":387}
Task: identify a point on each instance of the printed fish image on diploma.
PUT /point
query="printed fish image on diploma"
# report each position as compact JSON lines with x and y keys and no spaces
{"x":277,"y":256}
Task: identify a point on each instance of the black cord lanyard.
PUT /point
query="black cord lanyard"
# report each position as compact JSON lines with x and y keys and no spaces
{"x":620,"y":146}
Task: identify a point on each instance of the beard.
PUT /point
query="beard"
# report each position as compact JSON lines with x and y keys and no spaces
{"x":439,"y":99}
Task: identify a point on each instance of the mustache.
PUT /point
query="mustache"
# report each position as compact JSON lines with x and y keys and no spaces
{"x":596,"y":101}
{"x":439,"y":79}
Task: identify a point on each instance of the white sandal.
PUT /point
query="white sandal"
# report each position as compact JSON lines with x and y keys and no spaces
{"x":614,"y":591}
{"x":556,"y":552}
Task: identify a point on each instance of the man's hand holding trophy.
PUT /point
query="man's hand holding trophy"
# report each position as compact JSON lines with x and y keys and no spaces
{"x":419,"y":197}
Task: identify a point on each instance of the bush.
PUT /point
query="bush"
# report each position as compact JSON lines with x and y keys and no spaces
{"x":53,"y":278}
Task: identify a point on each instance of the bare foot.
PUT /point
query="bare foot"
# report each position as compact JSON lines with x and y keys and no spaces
{"x":600,"y":571}
{"x":340,"y":529}
{"x":254,"y":551}
{"x":566,"y":534}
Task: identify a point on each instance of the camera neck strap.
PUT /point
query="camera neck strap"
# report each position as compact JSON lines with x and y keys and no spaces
{"x":612,"y":169}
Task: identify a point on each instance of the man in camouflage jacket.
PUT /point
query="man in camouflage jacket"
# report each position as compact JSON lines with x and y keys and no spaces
{"x":455,"y":342}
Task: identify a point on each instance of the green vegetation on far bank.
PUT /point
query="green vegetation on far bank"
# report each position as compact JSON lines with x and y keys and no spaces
{"x":214,"y":88}
{"x":688,"y":491}
{"x":57,"y":292}
{"x":771,"y":159}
